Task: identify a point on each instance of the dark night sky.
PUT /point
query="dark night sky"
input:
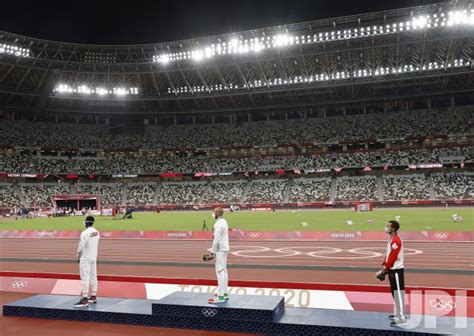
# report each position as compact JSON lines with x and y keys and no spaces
{"x":131,"y":22}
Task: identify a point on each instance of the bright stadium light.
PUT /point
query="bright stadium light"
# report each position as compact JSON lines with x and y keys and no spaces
{"x":460,"y":17}
{"x":165,"y":59}
{"x":234,"y":43}
{"x":419,"y":22}
{"x":257,"y":47}
{"x":208,"y":52}
{"x":101,"y":91}
{"x":84,"y":89}
{"x":98,"y":91}
{"x":361,"y":73}
{"x":197,"y":55}
{"x":282,"y":40}
{"x":14,"y":50}
{"x":63,"y":88}
{"x":256,"y":44}
{"x":120,"y":91}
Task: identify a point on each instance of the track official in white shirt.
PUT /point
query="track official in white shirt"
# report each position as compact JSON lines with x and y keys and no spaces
{"x":220,"y":249}
{"x":87,"y":254}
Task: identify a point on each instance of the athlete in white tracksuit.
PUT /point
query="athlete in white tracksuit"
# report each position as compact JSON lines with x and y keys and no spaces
{"x":220,"y":249}
{"x":87,"y":254}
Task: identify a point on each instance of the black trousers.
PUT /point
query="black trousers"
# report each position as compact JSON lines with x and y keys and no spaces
{"x":397,"y":286}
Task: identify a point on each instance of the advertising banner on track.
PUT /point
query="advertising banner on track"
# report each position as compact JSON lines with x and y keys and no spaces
{"x":237,"y":234}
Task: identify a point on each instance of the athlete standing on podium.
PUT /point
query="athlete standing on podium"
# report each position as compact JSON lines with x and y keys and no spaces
{"x":220,"y":249}
{"x":87,"y":254}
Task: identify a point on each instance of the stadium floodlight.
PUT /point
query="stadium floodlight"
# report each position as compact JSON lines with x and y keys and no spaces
{"x":257,"y":47}
{"x":133,"y":91}
{"x":197,"y":55}
{"x":14,"y":50}
{"x":164,"y":59}
{"x":120,"y":91}
{"x":256,"y":44}
{"x":282,"y":40}
{"x":419,"y":22}
{"x":234,"y":43}
{"x":101,"y":91}
{"x":83,"y":89}
{"x":460,"y":17}
{"x":63,"y":88}
{"x":360,"y":73}
{"x":208,"y":52}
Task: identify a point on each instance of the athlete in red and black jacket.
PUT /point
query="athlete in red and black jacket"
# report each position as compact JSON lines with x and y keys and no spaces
{"x":393,"y":265}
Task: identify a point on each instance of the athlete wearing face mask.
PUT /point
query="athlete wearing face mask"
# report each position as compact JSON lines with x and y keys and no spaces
{"x":393,"y":266}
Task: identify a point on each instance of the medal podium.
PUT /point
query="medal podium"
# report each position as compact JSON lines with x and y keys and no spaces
{"x":242,"y":313}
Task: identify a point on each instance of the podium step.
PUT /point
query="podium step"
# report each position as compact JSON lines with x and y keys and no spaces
{"x":301,"y":321}
{"x":252,"y":314}
{"x":240,"y":307}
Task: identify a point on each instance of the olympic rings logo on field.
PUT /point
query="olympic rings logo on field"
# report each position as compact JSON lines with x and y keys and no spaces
{"x":17,"y":284}
{"x":106,"y":234}
{"x":441,"y":235}
{"x":209,"y":312}
{"x":254,"y":235}
{"x":320,"y":252}
{"x":443,"y":305}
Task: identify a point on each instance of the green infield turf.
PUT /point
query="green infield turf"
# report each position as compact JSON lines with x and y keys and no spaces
{"x":316,"y":220}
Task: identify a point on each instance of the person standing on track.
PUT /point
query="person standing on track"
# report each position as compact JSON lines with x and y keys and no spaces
{"x":87,"y":254}
{"x":393,"y":265}
{"x":220,"y":249}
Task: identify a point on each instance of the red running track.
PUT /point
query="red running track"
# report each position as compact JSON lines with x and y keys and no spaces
{"x":449,"y":265}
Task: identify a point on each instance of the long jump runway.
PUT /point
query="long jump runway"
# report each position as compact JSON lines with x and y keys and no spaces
{"x":448,"y":265}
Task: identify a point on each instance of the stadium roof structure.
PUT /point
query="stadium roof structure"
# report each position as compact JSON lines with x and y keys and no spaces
{"x":421,"y":51}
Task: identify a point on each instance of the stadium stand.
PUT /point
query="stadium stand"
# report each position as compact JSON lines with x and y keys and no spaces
{"x":224,"y":192}
{"x":446,"y":186}
{"x":356,"y":160}
{"x":398,"y":125}
{"x":405,"y":187}
{"x":135,"y":164}
{"x":50,"y":165}
{"x":266,"y":191}
{"x":453,"y":186}
{"x":406,"y":157}
{"x":9,"y":197}
{"x":361,"y":188}
{"x":181,"y":193}
{"x":141,"y":194}
{"x":130,"y":164}
{"x":16,"y":163}
{"x":90,"y":166}
{"x":312,"y":161}
{"x":310,"y":190}
{"x":40,"y":194}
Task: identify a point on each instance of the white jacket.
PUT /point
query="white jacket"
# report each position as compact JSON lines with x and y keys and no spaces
{"x":221,"y":236}
{"x":89,"y":244}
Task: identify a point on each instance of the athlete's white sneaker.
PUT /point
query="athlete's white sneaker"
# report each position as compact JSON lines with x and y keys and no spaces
{"x":217,"y":299}
{"x":398,"y":322}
